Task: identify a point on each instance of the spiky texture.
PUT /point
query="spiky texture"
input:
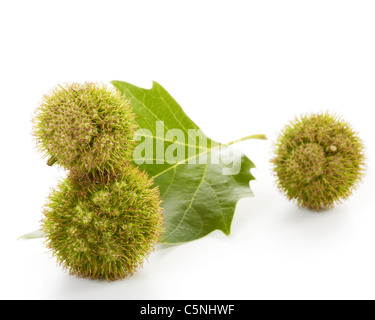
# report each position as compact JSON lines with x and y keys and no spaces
{"x":85,"y":126}
{"x":318,"y":161}
{"x":103,"y":230}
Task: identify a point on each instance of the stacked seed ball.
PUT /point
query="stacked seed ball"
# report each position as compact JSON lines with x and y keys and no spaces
{"x":319,"y":160}
{"x":105,"y":218}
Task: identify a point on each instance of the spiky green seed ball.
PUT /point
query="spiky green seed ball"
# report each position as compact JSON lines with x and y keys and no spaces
{"x":319,"y":160}
{"x":103,"y":230}
{"x":85,"y":126}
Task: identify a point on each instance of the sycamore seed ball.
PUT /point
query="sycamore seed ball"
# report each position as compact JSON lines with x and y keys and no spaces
{"x":87,"y":126}
{"x":319,"y":160}
{"x":103,"y":230}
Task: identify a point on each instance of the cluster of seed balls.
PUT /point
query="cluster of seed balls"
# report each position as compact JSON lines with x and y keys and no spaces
{"x":319,"y":160}
{"x":105,"y":218}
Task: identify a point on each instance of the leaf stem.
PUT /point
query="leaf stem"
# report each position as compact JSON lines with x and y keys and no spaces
{"x":254,"y":136}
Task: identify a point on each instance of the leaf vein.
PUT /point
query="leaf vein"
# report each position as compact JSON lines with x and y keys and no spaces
{"x":174,"y":116}
{"x":176,"y":142}
{"x":149,"y":110}
{"x":218,"y":202}
{"x":170,"y":184}
{"x":191,"y":202}
{"x":201,"y":221}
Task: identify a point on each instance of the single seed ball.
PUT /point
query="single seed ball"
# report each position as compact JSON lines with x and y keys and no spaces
{"x":103,"y":230}
{"x":85,"y":126}
{"x":318,"y":161}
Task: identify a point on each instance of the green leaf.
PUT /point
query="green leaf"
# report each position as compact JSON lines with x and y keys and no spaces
{"x":199,"y":196}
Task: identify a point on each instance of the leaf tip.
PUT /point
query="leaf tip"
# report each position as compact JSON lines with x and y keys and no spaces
{"x":155,"y":85}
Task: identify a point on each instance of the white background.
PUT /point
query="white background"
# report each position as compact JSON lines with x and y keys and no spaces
{"x":236,"y":68}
